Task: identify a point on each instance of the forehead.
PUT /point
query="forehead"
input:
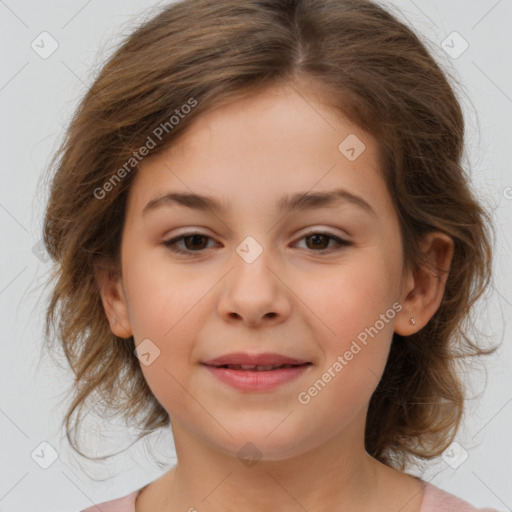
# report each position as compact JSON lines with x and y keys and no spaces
{"x":258,"y":147}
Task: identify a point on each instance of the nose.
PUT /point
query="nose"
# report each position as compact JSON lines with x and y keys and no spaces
{"x":254,"y":294}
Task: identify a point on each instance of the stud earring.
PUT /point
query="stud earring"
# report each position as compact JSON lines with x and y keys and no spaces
{"x":412,"y":321}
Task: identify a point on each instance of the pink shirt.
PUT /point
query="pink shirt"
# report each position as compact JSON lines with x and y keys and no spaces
{"x":434,"y":500}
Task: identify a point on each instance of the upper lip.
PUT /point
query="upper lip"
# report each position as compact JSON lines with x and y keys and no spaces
{"x":264,"y":359}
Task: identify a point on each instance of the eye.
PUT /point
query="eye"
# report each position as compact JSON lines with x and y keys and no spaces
{"x":194,"y":242}
{"x":318,"y":240}
{"x":195,"y":239}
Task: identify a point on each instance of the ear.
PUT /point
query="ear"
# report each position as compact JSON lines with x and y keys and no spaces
{"x":424,"y":286}
{"x":114,"y":302}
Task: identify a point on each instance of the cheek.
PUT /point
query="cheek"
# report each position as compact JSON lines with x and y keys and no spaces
{"x":161,"y":328}
{"x":352,"y":297}
{"x":161,"y":295}
{"x":163,"y":308}
{"x":355,"y":311}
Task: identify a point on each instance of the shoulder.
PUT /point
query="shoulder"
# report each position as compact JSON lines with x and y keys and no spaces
{"x":437,"y":500}
{"x":123,"y":504}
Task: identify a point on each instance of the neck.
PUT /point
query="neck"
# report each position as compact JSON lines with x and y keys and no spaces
{"x":337,"y":475}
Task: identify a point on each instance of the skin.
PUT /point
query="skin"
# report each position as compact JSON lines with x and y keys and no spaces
{"x":292,"y":300}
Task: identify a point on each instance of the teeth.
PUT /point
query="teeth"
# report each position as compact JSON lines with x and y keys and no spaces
{"x":259,"y":368}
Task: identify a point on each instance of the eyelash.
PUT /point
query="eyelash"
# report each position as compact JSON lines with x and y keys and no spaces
{"x":171,"y":244}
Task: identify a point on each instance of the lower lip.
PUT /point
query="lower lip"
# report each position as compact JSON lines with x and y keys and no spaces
{"x":247,"y":380}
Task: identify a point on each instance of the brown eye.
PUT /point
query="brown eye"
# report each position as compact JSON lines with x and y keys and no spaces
{"x":197,"y":243}
{"x":319,"y":242}
{"x":194,"y":242}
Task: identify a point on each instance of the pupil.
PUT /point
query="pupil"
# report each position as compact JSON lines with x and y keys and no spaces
{"x":194,"y":238}
{"x":315,"y":237}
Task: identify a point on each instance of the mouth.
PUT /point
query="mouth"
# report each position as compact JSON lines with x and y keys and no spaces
{"x":264,"y":361}
{"x":259,"y":367}
{"x":250,"y":378}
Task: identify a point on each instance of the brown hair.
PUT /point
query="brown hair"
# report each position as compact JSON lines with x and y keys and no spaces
{"x":378,"y":74}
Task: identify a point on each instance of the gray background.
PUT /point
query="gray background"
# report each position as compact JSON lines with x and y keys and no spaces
{"x":37,"y":98}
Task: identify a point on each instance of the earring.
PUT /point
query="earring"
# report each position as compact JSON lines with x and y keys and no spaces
{"x":412,"y":321}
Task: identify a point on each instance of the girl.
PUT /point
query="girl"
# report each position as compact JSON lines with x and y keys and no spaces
{"x":305,"y":352}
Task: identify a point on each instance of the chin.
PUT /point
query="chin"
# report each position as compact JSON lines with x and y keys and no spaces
{"x":255,"y":444}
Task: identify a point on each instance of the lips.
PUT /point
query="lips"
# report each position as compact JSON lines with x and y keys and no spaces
{"x":267,"y":361}
{"x":256,"y":368}
{"x":256,"y":372}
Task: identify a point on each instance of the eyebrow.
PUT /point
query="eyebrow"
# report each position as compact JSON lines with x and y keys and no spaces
{"x":294,"y":202}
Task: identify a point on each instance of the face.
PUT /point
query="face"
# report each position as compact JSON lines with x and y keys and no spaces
{"x":320,"y":282}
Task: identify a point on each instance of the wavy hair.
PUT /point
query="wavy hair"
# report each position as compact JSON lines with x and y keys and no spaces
{"x":373,"y":69}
